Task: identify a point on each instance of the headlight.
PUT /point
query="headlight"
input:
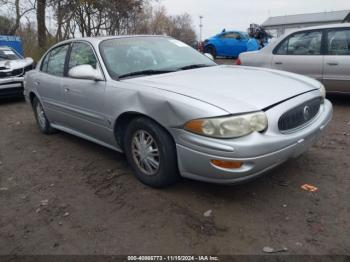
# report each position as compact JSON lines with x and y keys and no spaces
{"x":323,"y":91}
{"x":229,"y":127}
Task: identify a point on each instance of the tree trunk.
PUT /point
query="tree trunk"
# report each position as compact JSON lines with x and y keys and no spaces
{"x":18,"y":18}
{"x":40,"y":16}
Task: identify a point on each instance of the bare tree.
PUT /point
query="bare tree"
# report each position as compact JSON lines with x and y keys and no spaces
{"x":5,"y":25}
{"x":20,"y":8}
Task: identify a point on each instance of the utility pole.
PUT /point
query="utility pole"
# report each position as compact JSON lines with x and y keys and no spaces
{"x":200,"y":28}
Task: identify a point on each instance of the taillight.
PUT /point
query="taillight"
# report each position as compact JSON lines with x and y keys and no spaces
{"x":238,"y":62}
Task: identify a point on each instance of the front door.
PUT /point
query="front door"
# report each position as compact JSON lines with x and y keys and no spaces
{"x":84,"y":98}
{"x":300,"y":53}
{"x":336,"y":75}
{"x":234,"y":44}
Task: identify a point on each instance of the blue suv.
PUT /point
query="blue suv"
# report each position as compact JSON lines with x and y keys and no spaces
{"x":230,"y":44}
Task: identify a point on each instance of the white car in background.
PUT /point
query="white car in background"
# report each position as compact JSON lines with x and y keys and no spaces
{"x":321,"y":52}
{"x":12,"y":69}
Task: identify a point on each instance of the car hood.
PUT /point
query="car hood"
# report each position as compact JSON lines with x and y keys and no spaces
{"x":232,"y":88}
{"x":15,"y":64}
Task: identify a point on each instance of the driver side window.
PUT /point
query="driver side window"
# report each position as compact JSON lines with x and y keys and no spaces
{"x":82,"y":54}
{"x":232,"y":35}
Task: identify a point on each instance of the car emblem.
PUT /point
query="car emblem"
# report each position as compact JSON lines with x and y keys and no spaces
{"x":306,"y":112}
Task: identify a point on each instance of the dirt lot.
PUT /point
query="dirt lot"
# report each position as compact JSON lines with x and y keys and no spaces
{"x":62,"y":195}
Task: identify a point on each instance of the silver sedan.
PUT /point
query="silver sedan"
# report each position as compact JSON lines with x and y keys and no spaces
{"x":321,"y":52}
{"x":173,"y":111}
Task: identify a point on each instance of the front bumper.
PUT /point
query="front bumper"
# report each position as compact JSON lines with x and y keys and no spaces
{"x":259,"y":152}
{"x":10,"y":87}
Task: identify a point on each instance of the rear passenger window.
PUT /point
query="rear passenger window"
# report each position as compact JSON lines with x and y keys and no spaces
{"x":55,"y":61}
{"x":45,"y":62}
{"x":304,"y":43}
{"x":339,"y":42}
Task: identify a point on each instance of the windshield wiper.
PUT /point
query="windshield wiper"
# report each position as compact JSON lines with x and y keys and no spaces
{"x":145,"y":72}
{"x":194,"y":66}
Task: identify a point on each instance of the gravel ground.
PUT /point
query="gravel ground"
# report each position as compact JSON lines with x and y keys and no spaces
{"x":62,"y":195}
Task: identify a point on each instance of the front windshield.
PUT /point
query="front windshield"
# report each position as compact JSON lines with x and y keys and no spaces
{"x":245,"y":35}
{"x":8,"y":54}
{"x":137,"y":54}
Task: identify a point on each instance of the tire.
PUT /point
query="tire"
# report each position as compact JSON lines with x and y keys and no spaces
{"x":41,"y":119}
{"x":159,"y":165}
{"x":211,"y":50}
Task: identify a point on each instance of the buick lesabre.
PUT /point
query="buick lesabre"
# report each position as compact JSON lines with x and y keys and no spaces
{"x":173,"y":111}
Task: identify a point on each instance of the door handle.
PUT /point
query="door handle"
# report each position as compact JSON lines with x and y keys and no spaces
{"x":37,"y":83}
{"x":66,"y":89}
{"x":332,"y":63}
{"x":278,"y":63}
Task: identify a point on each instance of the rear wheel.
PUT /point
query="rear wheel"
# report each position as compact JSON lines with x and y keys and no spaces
{"x":41,"y":119}
{"x":211,"y":50}
{"x":151,"y":153}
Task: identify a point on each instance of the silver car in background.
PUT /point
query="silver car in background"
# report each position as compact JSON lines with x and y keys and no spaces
{"x":12,"y":69}
{"x":321,"y":52}
{"x":173,"y":111}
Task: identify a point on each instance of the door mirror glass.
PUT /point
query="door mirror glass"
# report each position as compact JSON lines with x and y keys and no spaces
{"x":85,"y":72}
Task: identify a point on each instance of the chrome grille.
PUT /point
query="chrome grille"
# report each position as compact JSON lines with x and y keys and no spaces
{"x":9,"y":73}
{"x":299,"y":115}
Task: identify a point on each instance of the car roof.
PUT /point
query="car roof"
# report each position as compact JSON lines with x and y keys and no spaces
{"x":98,"y":39}
{"x":330,"y":26}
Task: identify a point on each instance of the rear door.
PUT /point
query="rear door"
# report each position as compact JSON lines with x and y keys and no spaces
{"x":84,"y":98}
{"x":337,"y":60}
{"x":48,"y":82}
{"x":301,"y":53}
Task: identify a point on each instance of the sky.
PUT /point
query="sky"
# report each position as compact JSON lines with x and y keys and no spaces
{"x":239,"y":14}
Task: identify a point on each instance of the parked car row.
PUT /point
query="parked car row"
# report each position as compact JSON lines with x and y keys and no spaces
{"x":322,"y":53}
{"x":173,"y":111}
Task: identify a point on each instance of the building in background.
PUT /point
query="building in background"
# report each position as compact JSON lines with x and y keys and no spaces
{"x":279,"y":25}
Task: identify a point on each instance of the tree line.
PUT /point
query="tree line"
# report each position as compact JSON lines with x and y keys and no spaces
{"x":41,"y":23}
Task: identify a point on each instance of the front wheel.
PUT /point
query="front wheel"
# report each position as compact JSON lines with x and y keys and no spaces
{"x":151,"y":153}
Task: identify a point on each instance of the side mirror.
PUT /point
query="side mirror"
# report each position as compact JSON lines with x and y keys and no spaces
{"x":209,"y":56}
{"x":85,"y":72}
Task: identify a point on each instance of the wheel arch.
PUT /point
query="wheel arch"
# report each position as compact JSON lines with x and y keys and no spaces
{"x":32,"y":95}
{"x":123,"y":120}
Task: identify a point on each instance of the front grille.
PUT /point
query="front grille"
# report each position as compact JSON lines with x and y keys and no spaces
{"x":15,"y":72}
{"x":299,"y":115}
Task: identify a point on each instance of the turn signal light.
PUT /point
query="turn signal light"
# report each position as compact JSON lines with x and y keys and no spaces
{"x":227,"y":164}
